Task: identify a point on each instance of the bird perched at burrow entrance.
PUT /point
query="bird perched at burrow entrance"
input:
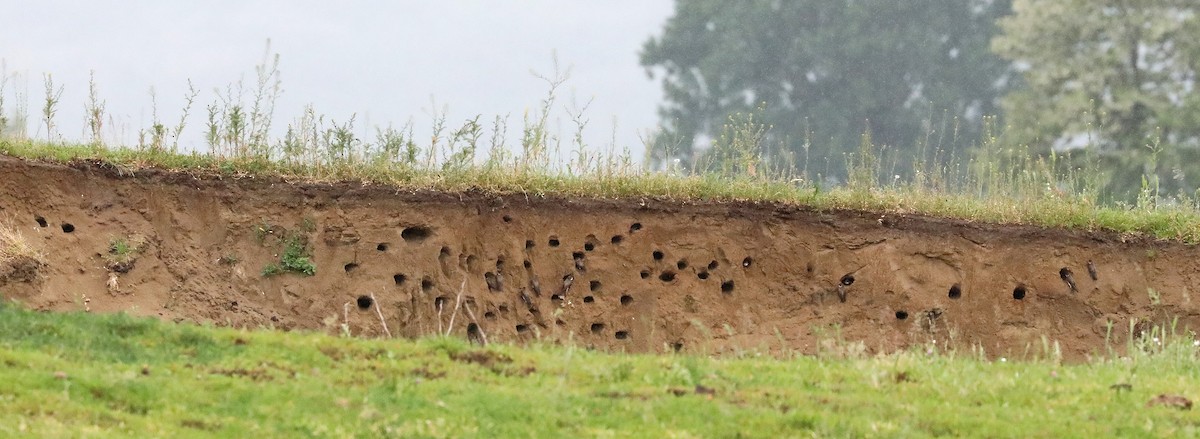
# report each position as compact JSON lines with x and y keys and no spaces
{"x":1092,"y":271}
{"x":844,"y":285}
{"x":527,"y":301}
{"x":568,"y":280}
{"x":1069,"y":278}
{"x":536,"y":285}
{"x":494,"y":281}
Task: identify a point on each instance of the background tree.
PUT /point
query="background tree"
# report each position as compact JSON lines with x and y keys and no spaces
{"x":826,"y":71}
{"x":1116,"y":74}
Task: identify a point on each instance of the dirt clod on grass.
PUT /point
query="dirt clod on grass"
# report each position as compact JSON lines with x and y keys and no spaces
{"x":487,"y":359}
{"x":710,"y":277}
{"x":1174,"y":401}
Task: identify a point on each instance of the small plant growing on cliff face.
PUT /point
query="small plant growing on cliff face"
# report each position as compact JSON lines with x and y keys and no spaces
{"x":261,"y":231}
{"x":123,"y":252}
{"x":120,"y":248}
{"x":295,"y":258}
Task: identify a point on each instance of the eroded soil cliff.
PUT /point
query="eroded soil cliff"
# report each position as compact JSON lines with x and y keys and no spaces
{"x":637,"y":274}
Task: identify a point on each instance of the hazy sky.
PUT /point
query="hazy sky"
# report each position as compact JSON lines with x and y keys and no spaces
{"x":383,"y":60}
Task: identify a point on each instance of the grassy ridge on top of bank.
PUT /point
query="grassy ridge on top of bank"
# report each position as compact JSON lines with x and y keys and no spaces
{"x":1019,"y":203}
{"x":993,"y":178}
{"x":119,"y":376}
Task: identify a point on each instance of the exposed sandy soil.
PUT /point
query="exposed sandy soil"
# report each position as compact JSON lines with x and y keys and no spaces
{"x":645,"y":275}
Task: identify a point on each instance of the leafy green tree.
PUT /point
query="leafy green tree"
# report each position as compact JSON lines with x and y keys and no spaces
{"x":821,"y":73}
{"x":1120,"y":75}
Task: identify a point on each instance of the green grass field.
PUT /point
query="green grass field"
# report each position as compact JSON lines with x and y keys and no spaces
{"x":83,"y":375}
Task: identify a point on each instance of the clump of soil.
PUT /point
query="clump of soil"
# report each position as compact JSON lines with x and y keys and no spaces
{"x":19,"y":269}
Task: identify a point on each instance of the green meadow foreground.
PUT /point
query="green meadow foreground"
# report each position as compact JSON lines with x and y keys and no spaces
{"x":83,"y":375}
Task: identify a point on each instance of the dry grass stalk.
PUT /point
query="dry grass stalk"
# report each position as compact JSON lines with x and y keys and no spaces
{"x":346,"y":319}
{"x":457,"y":303}
{"x":380,"y":314}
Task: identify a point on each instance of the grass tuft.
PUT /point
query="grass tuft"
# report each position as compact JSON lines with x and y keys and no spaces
{"x":14,"y":248}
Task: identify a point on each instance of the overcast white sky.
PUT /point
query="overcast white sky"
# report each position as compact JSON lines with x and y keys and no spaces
{"x":383,"y":60}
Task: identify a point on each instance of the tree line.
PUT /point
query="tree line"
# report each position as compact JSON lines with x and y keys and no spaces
{"x":1110,"y":81}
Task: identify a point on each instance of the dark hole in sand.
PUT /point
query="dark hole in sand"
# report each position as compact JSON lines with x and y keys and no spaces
{"x":365,"y":302}
{"x":415,"y":234}
{"x":847,"y":280}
